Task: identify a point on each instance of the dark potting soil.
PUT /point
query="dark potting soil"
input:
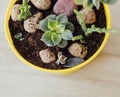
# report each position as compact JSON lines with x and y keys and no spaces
{"x":29,"y":48}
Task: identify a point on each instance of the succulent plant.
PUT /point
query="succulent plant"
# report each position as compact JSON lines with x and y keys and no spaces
{"x":57,"y":30}
{"x":24,"y":10}
{"x":93,"y":28}
{"x":90,"y":30}
{"x":61,"y":58}
{"x":19,"y":37}
{"x":90,"y":3}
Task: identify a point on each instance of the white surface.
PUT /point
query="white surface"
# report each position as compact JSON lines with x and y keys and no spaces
{"x":101,"y":78}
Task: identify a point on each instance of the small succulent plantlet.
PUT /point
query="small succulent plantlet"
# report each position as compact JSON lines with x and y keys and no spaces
{"x":57,"y":30}
{"x":88,"y":4}
{"x":19,"y":36}
{"x":24,"y":10}
{"x":61,"y":58}
{"x":88,"y":31}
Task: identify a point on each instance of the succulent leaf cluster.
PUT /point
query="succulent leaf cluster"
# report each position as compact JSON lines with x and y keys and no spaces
{"x":24,"y":10}
{"x":57,"y":30}
{"x":88,"y":4}
{"x":19,"y":37}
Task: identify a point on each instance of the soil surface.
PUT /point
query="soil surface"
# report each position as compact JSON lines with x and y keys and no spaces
{"x":29,"y":48}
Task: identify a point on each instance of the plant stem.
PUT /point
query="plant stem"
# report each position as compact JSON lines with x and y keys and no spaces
{"x":25,"y":2}
{"x":80,"y":19}
{"x":79,"y":37}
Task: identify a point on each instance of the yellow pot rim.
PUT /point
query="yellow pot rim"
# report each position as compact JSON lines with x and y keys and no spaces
{"x":64,"y":71}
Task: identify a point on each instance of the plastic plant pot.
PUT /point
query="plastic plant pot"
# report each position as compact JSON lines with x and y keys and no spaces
{"x":63,"y":71}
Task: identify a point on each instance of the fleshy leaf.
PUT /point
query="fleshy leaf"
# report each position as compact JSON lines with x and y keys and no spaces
{"x":70,"y":26}
{"x":78,"y":2}
{"x":109,"y":1}
{"x":46,"y":38}
{"x":52,"y":24}
{"x":60,"y":28}
{"x":96,"y":3}
{"x":56,"y":38}
{"x":63,"y":44}
{"x":87,"y":4}
{"x":67,"y":35}
{"x":79,"y":37}
{"x":62,"y":19}
{"x":19,"y":36}
{"x":81,"y":19}
{"x":44,"y":25}
{"x":52,"y":16}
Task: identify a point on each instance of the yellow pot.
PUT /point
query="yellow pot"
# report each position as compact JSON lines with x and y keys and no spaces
{"x":64,"y":71}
